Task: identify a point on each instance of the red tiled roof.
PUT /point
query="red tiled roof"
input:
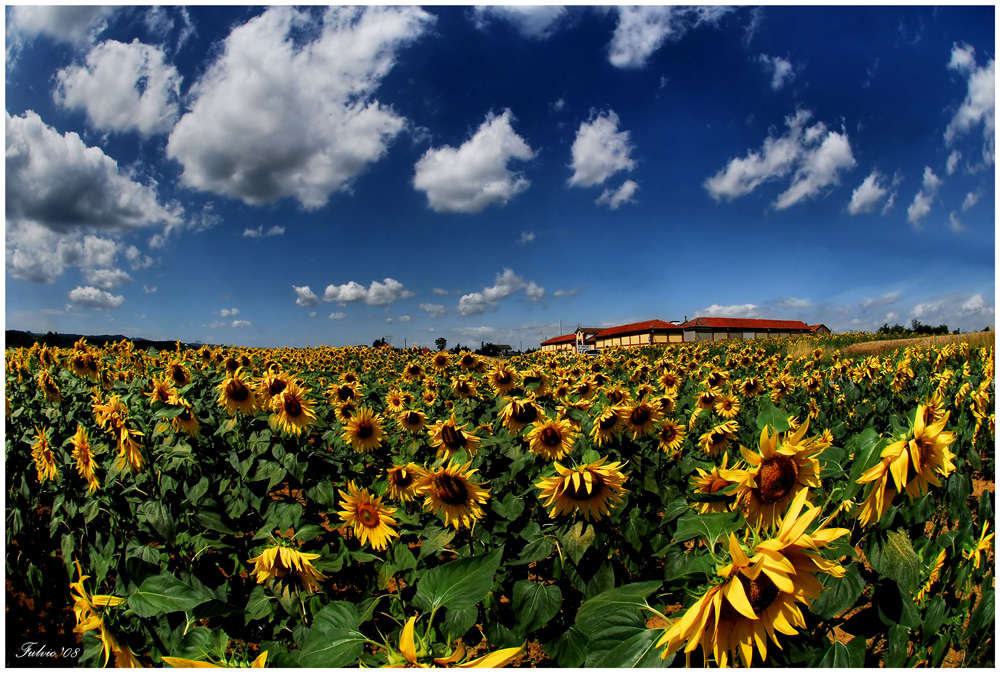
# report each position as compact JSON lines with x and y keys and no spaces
{"x":637,"y":328}
{"x":746,"y":324}
{"x":565,"y":338}
{"x":813,"y":328}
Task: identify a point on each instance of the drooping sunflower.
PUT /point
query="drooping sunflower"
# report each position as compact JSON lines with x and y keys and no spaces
{"x":84,"y":457}
{"x":181,"y":662}
{"x":449,"y":490}
{"x":371,"y":521}
{"x":710,"y":483}
{"x":45,"y":460}
{"x":671,"y":436}
{"x":518,"y":414}
{"x":464,"y":388}
{"x":178,"y":374}
{"x":89,"y":611}
{"x":48,"y":386}
{"x":608,"y":425}
{"x":186,"y":421}
{"x":407,"y":656}
{"x":272,"y":384}
{"x":591,"y":489}
{"x":292,"y":410}
{"x":448,"y":437}
{"x":781,"y":469}
{"x":411,"y":420}
{"x":161,"y":390}
{"x":982,"y":546}
{"x":364,"y":432}
{"x":277,"y":561}
{"x":717,"y":440}
{"x":552,"y":439}
{"x":403,"y":481}
{"x":129,"y":450}
{"x":932,"y":577}
{"x":236,"y":395}
{"x":641,"y":418}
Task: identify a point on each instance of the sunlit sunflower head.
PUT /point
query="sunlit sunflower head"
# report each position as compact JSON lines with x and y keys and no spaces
{"x":502,"y":378}
{"x":591,"y":489}
{"x":929,"y":453}
{"x":728,"y":406}
{"x":84,"y":456}
{"x":84,"y":365}
{"x":718,"y":439}
{"x":413,"y":372}
{"x":161,"y":390}
{"x":411,"y":420}
{"x":670,"y":381}
{"x":186,"y":421}
{"x":468,"y":361}
{"x":450,"y":491}
{"x":271,"y":385}
{"x":394,"y":401}
{"x":448,"y":438}
{"x":371,"y":521}
{"x":641,"y":418}
{"x":464,"y":388}
{"x":403,"y":481}
{"x":535,"y":381}
{"x":45,"y":460}
{"x":47,"y":384}
{"x":281,"y":562}
{"x":517,"y":414}
{"x":706,"y":399}
{"x":776,"y":474}
{"x":292,"y":410}
{"x":364,"y":431}
{"x":617,"y":395}
{"x":552,"y":439}
{"x":751,"y":386}
{"x":716,"y":379}
{"x":236,"y":396}
{"x":129,"y":450}
{"x":671,"y":436}
{"x":608,"y":425}
{"x":178,"y":374}
{"x":440,"y":362}
{"x":343,"y":392}
{"x":710,"y":484}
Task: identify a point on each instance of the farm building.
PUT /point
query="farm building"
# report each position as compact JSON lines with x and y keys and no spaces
{"x":651,"y":332}
{"x":719,"y":329}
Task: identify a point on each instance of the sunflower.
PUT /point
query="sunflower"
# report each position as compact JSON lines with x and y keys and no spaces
{"x":608,"y":425}
{"x":84,"y":457}
{"x":185,"y":421}
{"x":129,"y":450}
{"x":88,"y":609}
{"x":292,"y":412}
{"x":464,"y":388}
{"x":552,"y":439}
{"x":45,"y":460}
{"x":670,"y":381}
{"x":271,"y":385}
{"x":277,"y":561}
{"x":982,"y":547}
{"x":751,"y":387}
{"x":715,"y":380}
{"x":236,"y":396}
{"x":344,"y":392}
{"x":728,"y":406}
{"x":671,"y":436}
{"x":617,"y":395}
{"x":413,"y":372}
{"x":403,"y":480}
{"x":468,"y":361}
{"x":181,"y":662}
{"x":717,"y":440}
{"x":161,"y":390}
{"x":450,"y":491}
{"x":440,"y":362}
{"x":535,"y":381}
{"x":933,"y":577}
{"x":776,"y":474}
{"x":411,"y":420}
{"x":48,"y":386}
{"x":407,"y":656}
{"x":710,"y":483}
{"x":519,"y":414}
{"x":591,"y":489}
{"x":641,"y":418}
{"x":364,"y":431}
{"x":707,"y":399}
{"x":448,"y":438}
{"x":178,"y":374}
{"x":758,"y":596}
{"x":372,"y":521}
{"x":394,"y":401}
{"x":502,"y":378}
{"x":345,"y":412}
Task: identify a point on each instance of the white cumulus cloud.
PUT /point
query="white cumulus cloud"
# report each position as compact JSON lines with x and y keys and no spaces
{"x":92,"y":297}
{"x":433,"y":310}
{"x":979,"y":106}
{"x":600,"y":150}
{"x":506,"y":284}
{"x":922,"y":202}
{"x":259,"y":232}
{"x":644,"y":29}
{"x":338,"y":316}
{"x":780,"y":69}
{"x":227,"y":312}
{"x":533,"y":21}
{"x":613,"y":198}
{"x":123,"y":87}
{"x":377,"y":293}
{"x":72,"y":24}
{"x":868,"y":195}
{"x":731,"y":311}
{"x":288,"y":107}
{"x":474,"y":175}
{"x":814,"y":155}
{"x":106,"y":279}
{"x":304,"y":296}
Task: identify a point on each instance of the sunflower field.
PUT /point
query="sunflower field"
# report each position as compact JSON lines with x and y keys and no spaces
{"x":770,"y":502}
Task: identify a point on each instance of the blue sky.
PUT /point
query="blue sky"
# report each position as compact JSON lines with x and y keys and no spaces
{"x":279,"y":176}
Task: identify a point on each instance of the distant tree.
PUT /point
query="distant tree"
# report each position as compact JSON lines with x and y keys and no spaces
{"x":441,"y":343}
{"x":378,"y":343}
{"x":986,"y":329}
